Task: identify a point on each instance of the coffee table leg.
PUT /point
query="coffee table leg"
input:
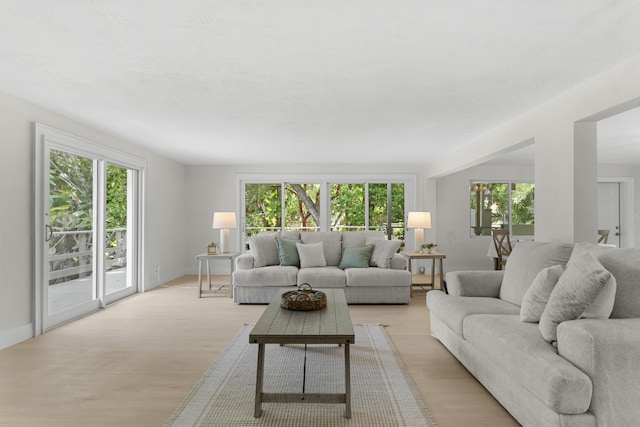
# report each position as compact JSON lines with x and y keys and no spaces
{"x":259,"y":376}
{"x":347,"y":380}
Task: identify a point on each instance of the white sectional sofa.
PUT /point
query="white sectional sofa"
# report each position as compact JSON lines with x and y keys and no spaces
{"x":556,"y":346}
{"x":324,"y":260}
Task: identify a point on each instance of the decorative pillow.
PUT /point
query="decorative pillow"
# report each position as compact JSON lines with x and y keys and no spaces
{"x":288,"y":252}
{"x":383,"y":251}
{"x":264,"y":249}
{"x":357,"y":257}
{"x":578,"y":287}
{"x":536,"y":297}
{"x":311,"y":255}
{"x":602,"y":307}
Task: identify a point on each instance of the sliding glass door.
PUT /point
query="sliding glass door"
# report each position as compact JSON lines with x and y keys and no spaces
{"x":70,"y":233}
{"x":88,"y":217}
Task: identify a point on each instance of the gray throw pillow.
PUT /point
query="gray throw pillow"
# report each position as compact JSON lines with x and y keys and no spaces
{"x":536,"y":297}
{"x":264,"y":250}
{"x":288,"y":252}
{"x":311,"y":255}
{"x":602,"y":307}
{"x":578,"y":287}
{"x":383,"y":251}
{"x":357,"y":257}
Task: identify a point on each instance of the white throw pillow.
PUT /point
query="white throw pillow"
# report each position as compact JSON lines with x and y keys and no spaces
{"x":383,"y":251}
{"x":578,"y":287}
{"x":536,"y":297}
{"x":311,"y":255}
{"x":264,"y":250}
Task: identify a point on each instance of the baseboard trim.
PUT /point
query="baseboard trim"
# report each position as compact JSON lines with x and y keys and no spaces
{"x":16,"y":335}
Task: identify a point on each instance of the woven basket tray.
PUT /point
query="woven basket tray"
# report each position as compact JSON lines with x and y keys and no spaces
{"x":303,"y":299}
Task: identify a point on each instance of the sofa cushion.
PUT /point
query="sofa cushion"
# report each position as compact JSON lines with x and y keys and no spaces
{"x":536,"y":297}
{"x":332,"y":244}
{"x":378,"y":277}
{"x":383,"y":251}
{"x":578,"y":287}
{"x":264,"y":249}
{"x":311,"y":255}
{"x":356,"y":257}
{"x":352,"y":239}
{"x":525,"y":262}
{"x":290,"y":235}
{"x":522,"y":354}
{"x":288,"y":252}
{"x":266,"y":276}
{"x":322,"y":277}
{"x":624,"y":264}
{"x":452,"y":310}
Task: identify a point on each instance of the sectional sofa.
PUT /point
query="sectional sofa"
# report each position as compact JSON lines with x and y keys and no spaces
{"x":363,"y":263}
{"x":555,"y":337}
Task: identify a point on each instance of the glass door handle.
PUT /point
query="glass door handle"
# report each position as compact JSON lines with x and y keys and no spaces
{"x":48,"y":233}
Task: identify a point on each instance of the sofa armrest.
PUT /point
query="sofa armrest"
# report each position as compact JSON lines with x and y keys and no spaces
{"x":244,"y":261}
{"x":481,"y":283}
{"x":399,"y":262}
{"x":608,"y":351}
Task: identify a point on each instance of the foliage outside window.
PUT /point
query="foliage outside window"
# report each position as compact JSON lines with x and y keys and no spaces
{"x":503,"y":205}
{"x":71,"y":195}
{"x":352,"y":206}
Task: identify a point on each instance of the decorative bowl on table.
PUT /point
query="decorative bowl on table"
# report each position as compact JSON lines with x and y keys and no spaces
{"x":303,"y":299}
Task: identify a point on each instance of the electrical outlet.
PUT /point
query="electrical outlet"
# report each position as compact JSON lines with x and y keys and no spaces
{"x":421,"y":270}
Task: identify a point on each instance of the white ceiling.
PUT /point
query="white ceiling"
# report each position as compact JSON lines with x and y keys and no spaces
{"x":359,"y":81}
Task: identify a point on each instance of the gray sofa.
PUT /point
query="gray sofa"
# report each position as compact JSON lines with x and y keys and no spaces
{"x":579,"y":364}
{"x":268,"y":267}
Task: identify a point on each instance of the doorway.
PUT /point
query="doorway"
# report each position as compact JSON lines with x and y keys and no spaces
{"x":88,"y":227}
{"x":609,"y":211}
{"x":616,"y":211}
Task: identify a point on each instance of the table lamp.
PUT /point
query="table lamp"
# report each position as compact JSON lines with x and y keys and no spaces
{"x":419,"y":221}
{"x":224,"y":221}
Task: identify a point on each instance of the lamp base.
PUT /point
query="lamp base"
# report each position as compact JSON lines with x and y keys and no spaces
{"x":418,"y":234}
{"x":224,"y":238}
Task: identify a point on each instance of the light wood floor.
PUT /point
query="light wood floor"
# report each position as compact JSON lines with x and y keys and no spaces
{"x":132,"y":363}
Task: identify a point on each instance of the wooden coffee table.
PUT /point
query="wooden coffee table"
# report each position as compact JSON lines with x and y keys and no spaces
{"x":330,"y":325}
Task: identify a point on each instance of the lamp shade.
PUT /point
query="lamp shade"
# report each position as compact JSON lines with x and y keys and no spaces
{"x":224,"y":220}
{"x":419,"y":220}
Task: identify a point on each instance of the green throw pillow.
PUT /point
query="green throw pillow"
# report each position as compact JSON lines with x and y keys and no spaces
{"x":357,"y":257}
{"x":288,"y":252}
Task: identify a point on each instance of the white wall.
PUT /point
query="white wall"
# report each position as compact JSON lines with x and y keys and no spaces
{"x":463,"y":251}
{"x":165,"y":232}
{"x":212,"y":188}
{"x":564,"y":160}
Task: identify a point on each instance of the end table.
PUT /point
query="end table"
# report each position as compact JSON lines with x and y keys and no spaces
{"x":433,"y":256}
{"x":230,"y":256}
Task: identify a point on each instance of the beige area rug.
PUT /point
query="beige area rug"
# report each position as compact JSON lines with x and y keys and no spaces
{"x":382,"y":393}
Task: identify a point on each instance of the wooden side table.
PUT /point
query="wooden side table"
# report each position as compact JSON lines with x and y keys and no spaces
{"x":433,"y":256}
{"x":231,"y":256}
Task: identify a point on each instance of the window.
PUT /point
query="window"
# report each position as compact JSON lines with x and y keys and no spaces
{"x":322,"y":205}
{"x":502,"y":205}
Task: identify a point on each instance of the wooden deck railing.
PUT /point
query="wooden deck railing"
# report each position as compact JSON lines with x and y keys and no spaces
{"x":71,"y":253}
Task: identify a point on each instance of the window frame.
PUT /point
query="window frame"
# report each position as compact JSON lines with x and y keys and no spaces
{"x":508,"y":183}
{"x":325,"y":181}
